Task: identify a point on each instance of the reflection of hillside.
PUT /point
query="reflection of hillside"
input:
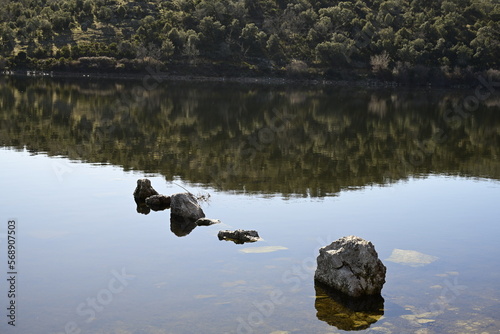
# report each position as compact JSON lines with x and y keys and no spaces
{"x":300,"y":141}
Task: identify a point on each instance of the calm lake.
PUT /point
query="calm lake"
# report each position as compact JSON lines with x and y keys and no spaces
{"x":414,"y":171}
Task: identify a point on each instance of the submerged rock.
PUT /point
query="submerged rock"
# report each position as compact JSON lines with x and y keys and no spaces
{"x":239,"y":236}
{"x":411,"y":258}
{"x":185,"y":205}
{"x":158,"y":202}
{"x":207,"y":222}
{"x":351,"y":266}
{"x":144,"y":190}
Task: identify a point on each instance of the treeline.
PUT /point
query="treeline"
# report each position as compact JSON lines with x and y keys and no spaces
{"x":407,"y":41}
{"x":297,"y":142}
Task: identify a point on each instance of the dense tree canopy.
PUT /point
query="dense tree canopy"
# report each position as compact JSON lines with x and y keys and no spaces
{"x":390,"y":38}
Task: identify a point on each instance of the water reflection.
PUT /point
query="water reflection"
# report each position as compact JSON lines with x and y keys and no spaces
{"x":142,"y":207}
{"x":301,"y":141}
{"x":344,"y":313}
{"x":181,"y":226}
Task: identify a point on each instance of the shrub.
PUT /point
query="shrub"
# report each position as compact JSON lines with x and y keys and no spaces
{"x":297,"y":68}
{"x":380,"y":62}
{"x":493,"y":74}
{"x":97,"y":63}
{"x":380,"y":66}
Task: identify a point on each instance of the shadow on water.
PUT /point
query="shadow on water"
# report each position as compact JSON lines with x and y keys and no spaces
{"x":294,"y":141}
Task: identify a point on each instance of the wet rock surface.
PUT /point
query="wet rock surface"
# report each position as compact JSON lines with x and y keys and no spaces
{"x":239,"y":236}
{"x":158,"y":202}
{"x":351,"y":266}
{"x":207,"y":222}
{"x":144,"y":190}
{"x":186,"y":205}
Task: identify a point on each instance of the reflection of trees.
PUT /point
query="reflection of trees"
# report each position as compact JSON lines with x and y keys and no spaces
{"x":269,"y":139}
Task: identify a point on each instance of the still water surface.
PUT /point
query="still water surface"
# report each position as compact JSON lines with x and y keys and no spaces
{"x":303,"y":166}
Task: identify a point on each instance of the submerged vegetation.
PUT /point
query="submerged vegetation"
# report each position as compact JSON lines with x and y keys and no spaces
{"x":407,"y":41}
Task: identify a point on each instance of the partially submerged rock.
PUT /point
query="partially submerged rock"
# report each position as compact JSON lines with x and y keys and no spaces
{"x":143,"y":190}
{"x":239,"y":236}
{"x":207,"y":222}
{"x":351,"y":266}
{"x":185,"y":205}
{"x":158,"y":202}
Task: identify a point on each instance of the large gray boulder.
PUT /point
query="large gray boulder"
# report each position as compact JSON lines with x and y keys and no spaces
{"x":143,"y":190}
{"x":185,"y":205}
{"x":351,"y":265}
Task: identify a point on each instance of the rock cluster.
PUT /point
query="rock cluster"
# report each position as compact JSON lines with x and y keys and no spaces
{"x":185,"y":212}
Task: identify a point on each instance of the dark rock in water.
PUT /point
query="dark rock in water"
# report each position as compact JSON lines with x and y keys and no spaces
{"x":207,"y":222}
{"x":144,"y":190}
{"x":351,"y":266}
{"x":239,"y":236}
{"x":158,"y":202}
{"x":344,"y":312}
{"x":185,"y":205}
{"x":181,"y":226}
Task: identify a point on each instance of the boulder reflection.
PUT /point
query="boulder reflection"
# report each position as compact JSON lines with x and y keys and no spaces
{"x":181,"y":226}
{"x":345,"y":313}
{"x":142,"y":207}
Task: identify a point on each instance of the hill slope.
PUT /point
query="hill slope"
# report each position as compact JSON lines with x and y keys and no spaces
{"x":403,"y":40}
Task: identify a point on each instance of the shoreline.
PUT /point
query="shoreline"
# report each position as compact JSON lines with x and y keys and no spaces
{"x":258,"y":80}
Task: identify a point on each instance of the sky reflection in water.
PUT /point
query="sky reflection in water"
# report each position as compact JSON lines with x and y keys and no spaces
{"x":344,"y":164}
{"x":75,"y":232}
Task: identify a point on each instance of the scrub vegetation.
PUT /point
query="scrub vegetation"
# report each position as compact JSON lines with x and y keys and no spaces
{"x":419,"y":41}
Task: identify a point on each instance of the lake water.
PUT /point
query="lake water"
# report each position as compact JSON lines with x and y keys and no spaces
{"x":303,"y":166}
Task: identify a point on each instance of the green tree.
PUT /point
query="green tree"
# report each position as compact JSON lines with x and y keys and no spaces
{"x":191,"y":50}
{"x":332,"y":54}
{"x":212,"y":34}
{"x":167,"y":49}
{"x":275,"y":50}
{"x":252,"y":40}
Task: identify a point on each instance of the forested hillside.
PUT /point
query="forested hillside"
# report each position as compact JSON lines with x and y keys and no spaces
{"x":419,"y":40}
